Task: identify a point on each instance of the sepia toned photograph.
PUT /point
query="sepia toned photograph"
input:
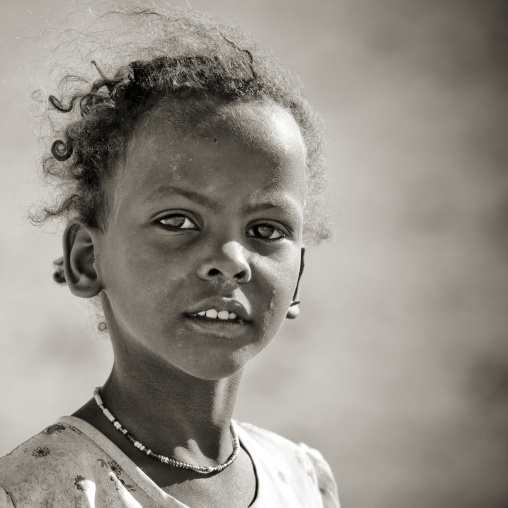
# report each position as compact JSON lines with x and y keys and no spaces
{"x":254,"y":254}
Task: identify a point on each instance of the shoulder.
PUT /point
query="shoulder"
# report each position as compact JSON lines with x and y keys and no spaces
{"x":50,"y":465}
{"x":324,"y":476}
{"x":310,"y":460}
{"x":55,"y":444}
{"x":268,"y":439}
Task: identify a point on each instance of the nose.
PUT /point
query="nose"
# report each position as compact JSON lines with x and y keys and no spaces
{"x":226,"y":263}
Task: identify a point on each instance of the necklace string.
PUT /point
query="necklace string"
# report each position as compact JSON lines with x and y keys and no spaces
{"x":162,"y":458}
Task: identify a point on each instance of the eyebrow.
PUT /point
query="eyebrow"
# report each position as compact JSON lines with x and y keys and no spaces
{"x":259,"y":207}
{"x":203,"y":200}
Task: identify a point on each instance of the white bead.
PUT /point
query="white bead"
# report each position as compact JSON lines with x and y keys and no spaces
{"x":212,"y":313}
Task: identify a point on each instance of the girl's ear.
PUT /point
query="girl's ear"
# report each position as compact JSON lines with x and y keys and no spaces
{"x":80,"y":273}
{"x":294,"y":309}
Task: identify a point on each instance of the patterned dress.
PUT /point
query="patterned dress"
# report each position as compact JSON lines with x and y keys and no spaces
{"x":72,"y":464}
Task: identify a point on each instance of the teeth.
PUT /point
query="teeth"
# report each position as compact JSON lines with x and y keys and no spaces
{"x":214,"y":314}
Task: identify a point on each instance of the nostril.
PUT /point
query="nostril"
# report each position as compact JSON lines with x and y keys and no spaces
{"x":241,"y":275}
{"x":214,"y":272}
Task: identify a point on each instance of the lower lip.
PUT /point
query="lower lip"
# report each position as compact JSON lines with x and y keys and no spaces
{"x":222,"y":327}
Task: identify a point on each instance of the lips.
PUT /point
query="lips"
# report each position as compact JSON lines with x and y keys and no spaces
{"x":223,"y":315}
{"x":220,"y":309}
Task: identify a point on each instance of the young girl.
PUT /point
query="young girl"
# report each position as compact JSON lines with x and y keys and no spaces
{"x":191,"y":182}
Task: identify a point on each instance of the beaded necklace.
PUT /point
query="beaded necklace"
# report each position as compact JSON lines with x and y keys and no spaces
{"x":162,"y":458}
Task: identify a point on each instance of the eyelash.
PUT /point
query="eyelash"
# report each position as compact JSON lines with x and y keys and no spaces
{"x":177,"y":228}
{"x":275,"y":229}
{"x":265,"y":224}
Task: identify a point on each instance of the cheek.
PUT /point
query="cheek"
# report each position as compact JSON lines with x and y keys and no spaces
{"x":281,"y":278}
{"x":138,"y":275}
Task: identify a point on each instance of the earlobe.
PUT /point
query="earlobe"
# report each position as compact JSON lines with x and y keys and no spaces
{"x":294,"y":308}
{"x":79,"y":257}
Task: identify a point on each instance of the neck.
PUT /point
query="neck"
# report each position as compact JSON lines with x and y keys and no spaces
{"x":170,"y":411}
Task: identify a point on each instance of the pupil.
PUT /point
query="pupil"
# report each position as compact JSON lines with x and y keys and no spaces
{"x":265,"y":231}
{"x":176,"y":221}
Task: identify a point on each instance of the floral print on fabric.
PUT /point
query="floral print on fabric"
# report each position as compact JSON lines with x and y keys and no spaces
{"x":54,"y":429}
{"x":77,"y":483}
{"x":71,"y":463}
{"x":117,"y":470}
{"x":41,"y":451}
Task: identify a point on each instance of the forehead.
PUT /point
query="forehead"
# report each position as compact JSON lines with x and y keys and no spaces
{"x":204,"y":146}
{"x":255,"y":125}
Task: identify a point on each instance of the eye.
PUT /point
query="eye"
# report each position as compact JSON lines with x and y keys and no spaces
{"x":265,"y":232}
{"x":177,"y":221}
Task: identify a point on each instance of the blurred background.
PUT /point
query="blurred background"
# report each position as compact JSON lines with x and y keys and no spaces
{"x":397,"y":369}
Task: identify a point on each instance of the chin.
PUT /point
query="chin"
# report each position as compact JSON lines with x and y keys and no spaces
{"x":214,"y":369}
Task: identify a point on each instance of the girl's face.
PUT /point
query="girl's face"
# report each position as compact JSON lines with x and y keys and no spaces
{"x":207,"y":220}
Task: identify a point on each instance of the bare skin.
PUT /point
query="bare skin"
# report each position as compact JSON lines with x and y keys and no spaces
{"x":201,"y":221}
{"x":238,"y":481}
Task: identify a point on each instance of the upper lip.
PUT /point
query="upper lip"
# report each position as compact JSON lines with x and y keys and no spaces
{"x":229,"y":304}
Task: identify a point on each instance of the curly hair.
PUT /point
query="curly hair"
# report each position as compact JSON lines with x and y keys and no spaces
{"x":189,"y":58}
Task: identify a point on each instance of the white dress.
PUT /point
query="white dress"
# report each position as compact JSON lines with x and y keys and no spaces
{"x":72,"y":464}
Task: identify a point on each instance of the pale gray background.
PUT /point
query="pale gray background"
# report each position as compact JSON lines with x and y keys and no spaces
{"x":398,"y":368}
